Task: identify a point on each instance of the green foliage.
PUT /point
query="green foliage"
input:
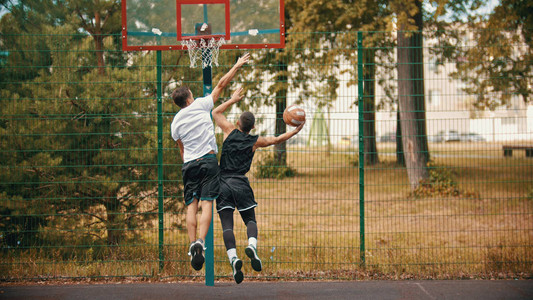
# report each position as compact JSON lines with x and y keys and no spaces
{"x":353,"y":160}
{"x":19,"y":223}
{"x":268,"y":167}
{"x":441,"y":182}
{"x":78,"y":142}
{"x":493,"y":58}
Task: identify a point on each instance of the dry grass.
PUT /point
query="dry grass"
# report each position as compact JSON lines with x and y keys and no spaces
{"x":309,"y":225}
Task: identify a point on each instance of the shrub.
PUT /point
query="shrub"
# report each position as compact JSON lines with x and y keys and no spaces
{"x":441,"y":182}
{"x":269,"y":168}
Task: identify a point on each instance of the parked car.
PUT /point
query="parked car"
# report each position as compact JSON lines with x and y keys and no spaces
{"x":448,"y":136}
{"x":434,"y":138}
{"x":472,"y":137}
{"x":388,"y":137}
{"x":345,"y":141}
{"x":297,"y":140}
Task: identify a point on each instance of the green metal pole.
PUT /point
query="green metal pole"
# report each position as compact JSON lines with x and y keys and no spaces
{"x":209,"y":241}
{"x":160,"y":161}
{"x":360,"y":109}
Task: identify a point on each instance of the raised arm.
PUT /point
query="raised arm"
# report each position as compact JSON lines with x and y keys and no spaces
{"x":226,"y":79}
{"x":218,"y":113}
{"x":271,"y":140}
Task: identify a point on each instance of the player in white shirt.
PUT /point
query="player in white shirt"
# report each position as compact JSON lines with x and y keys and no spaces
{"x":194,"y":132}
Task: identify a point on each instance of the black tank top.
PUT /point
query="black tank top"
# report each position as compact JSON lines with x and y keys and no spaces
{"x":237,"y":153}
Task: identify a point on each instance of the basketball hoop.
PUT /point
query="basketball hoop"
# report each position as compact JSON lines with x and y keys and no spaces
{"x":205,"y":50}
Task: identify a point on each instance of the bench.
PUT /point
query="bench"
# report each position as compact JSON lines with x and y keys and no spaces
{"x":508,"y":150}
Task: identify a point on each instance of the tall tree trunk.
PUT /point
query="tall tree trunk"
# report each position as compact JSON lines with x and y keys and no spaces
{"x":99,"y":47}
{"x":115,"y":219}
{"x":369,"y":115}
{"x":411,"y":100}
{"x":400,"y":158}
{"x":280,"y":150}
{"x":99,"y":43}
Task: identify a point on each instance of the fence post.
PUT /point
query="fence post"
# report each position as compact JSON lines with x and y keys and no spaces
{"x":360,"y":109}
{"x":160,"y":161}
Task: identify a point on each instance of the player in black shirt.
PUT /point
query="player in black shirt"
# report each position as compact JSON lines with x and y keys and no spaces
{"x":238,"y":152}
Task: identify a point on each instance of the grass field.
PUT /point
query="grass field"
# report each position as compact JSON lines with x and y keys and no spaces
{"x":309,"y":225}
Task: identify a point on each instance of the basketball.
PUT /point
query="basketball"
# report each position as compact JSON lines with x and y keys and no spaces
{"x":294,"y":115}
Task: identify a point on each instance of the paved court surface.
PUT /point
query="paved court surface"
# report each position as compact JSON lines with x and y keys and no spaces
{"x":438,"y":289}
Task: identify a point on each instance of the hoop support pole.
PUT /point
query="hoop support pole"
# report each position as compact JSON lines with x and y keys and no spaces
{"x":209,"y":240}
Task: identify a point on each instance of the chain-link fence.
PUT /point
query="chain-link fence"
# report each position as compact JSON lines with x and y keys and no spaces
{"x":415,"y":161}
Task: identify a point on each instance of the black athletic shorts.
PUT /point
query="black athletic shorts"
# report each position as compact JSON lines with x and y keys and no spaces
{"x":235,"y":192}
{"x":201,"y":179}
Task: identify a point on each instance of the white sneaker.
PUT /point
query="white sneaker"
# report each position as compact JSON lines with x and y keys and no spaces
{"x":251,"y":252}
{"x":196,"y":251}
{"x":236,"y":265}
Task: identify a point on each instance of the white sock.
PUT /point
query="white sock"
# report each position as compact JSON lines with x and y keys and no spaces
{"x":201,"y":242}
{"x":252,"y":241}
{"x":232,"y":253}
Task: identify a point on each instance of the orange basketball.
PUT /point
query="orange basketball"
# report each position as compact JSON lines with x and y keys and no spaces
{"x":294,"y":115}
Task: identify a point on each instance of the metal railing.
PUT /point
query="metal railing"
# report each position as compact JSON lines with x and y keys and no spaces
{"x":91,"y":179}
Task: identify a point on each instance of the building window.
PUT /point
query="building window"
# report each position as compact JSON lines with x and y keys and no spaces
{"x":509,"y":121}
{"x":434,"y":97}
{"x":433,"y":65}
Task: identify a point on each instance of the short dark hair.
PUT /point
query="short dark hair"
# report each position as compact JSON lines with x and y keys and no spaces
{"x":247,"y":121}
{"x":180,"y":96}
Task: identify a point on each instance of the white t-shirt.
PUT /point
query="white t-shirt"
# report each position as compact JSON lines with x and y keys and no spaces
{"x":194,"y":127}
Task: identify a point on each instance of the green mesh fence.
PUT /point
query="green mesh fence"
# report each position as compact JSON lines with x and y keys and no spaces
{"x":416,"y":160}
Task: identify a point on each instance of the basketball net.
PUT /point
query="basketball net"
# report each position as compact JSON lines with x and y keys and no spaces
{"x":204,"y":50}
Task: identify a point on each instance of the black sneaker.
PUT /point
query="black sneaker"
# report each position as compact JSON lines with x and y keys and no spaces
{"x":236,"y":265}
{"x":196,"y":251}
{"x":251,"y":252}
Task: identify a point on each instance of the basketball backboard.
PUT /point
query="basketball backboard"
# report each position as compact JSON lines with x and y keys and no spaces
{"x":163,"y":24}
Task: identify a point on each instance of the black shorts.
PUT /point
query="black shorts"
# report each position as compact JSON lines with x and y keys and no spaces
{"x":201,"y":179}
{"x":235,"y":192}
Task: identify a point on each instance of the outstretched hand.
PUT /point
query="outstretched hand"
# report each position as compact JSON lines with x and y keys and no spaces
{"x":237,"y":96}
{"x":297,"y":129}
{"x":242,"y":60}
